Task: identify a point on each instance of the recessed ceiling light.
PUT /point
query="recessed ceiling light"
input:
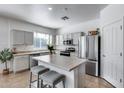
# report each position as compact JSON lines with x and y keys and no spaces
{"x":50,"y":8}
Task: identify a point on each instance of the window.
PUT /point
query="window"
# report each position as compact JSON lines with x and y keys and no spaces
{"x":42,"y":40}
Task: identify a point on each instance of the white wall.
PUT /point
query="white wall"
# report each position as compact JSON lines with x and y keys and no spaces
{"x":111,"y":13}
{"x":7,"y":25}
{"x":82,"y":27}
{"x":4,"y":33}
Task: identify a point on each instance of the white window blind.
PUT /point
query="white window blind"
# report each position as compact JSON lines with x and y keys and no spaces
{"x":41,"y":40}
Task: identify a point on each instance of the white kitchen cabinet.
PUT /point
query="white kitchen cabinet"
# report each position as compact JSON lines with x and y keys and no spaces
{"x":22,"y":37}
{"x":76,"y":38}
{"x":112,"y":53}
{"x":65,"y":37}
{"x":69,"y":36}
{"x":20,"y":63}
{"x":59,"y":39}
{"x":29,"y":38}
{"x":18,"y":37}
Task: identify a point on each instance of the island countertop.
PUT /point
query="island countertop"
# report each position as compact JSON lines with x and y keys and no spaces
{"x":63,"y":62}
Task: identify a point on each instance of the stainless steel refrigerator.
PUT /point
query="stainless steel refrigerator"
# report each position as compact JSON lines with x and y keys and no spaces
{"x":89,"y":48}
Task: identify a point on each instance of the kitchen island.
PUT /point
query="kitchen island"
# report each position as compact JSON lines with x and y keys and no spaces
{"x":72,"y":67}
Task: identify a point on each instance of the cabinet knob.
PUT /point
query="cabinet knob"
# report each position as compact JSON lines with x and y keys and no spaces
{"x":120,"y":54}
{"x":104,"y":55}
{"x":120,"y":80}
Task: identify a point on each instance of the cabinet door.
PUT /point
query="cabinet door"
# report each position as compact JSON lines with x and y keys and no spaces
{"x":69,"y":36}
{"x":18,"y":37}
{"x":57,"y":40}
{"x":76,"y":38}
{"x":61,"y":39}
{"x":112,"y":53}
{"x":29,"y":38}
{"x":65,"y":36}
{"x":21,"y":63}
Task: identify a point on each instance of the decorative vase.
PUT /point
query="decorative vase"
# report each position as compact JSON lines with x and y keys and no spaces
{"x":51,"y":52}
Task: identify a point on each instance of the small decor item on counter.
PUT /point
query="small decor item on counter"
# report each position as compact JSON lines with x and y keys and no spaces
{"x":95,"y":32}
{"x":14,"y":50}
{"x":50,"y":48}
{"x":6,"y":55}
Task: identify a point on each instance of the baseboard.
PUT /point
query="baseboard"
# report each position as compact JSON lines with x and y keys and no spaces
{"x":22,"y":70}
{"x":107,"y":81}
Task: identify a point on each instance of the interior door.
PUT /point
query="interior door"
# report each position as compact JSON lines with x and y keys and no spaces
{"x":112,"y":53}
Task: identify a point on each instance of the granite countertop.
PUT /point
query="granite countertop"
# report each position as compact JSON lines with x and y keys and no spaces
{"x":20,"y":53}
{"x":63,"y":62}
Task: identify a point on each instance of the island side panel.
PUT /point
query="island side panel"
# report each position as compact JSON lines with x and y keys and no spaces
{"x":81,"y":76}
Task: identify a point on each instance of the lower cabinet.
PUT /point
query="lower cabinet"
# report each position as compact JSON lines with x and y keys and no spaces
{"x":25,"y":62}
{"x":20,"y":63}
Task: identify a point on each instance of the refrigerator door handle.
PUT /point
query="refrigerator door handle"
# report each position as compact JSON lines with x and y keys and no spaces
{"x":96,"y":47}
{"x":79,"y":55}
{"x":87,"y":47}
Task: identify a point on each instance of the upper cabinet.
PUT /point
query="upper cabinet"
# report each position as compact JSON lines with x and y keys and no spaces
{"x":18,"y":37}
{"x":22,"y":37}
{"x":75,"y":38}
{"x":29,"y":38}
{"x":61,"y":39}
{"x":69,"y":36}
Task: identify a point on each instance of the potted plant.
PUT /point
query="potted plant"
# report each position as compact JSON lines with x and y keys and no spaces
{"x":6,"y":55}
{"x":50,"y":48}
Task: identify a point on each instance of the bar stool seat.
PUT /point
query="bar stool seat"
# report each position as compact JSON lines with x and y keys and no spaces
{"x":52,"y":78}
{"x":37,"y":70}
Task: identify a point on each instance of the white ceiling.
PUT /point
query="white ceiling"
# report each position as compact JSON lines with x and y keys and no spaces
{"x":40,"y":15}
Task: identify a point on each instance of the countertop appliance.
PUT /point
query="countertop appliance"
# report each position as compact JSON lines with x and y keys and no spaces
{"x":89,"y":48}
{"x":70,"y":49}
{"x":65,"y":53}
{"x":68,"y":42}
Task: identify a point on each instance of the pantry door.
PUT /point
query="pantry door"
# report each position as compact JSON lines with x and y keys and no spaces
{"x":112,"y":53}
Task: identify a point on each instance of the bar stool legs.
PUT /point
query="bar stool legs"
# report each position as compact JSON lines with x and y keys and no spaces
{"x":42,"y":83}
{"x":37,"y":71}
{"x":63,"y":83}
{"x":38,"y":81}
{"x":30,"y":79}
{"x":52,"y":78}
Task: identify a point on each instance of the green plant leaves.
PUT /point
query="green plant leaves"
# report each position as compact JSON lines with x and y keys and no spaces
{"x":6,"y":55}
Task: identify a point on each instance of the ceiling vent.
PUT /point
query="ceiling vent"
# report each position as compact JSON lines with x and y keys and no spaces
{"x":65,"y":17}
